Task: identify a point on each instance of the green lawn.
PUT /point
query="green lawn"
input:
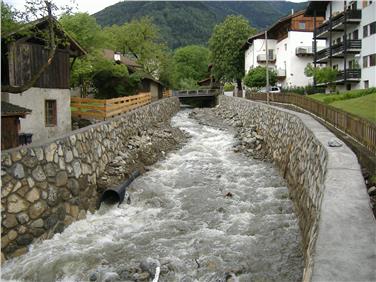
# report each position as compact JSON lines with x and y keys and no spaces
{"x":364,"y":106}
{"x":358,"y":102}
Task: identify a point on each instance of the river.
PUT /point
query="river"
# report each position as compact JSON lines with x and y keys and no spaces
{"x":204,"y":213}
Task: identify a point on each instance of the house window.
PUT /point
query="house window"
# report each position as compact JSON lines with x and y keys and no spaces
{"x":366,"y":84}
{"x":355,"y":35}
{"x":365,"y":61}
{"x":372,"y":28}
{"x":285,"y":47}
{"x":50,"y":112}
{"x":335,"y":67}
{"x":348,"y":87}
{"x":270,"y":53}
{"x":301,"y":25}
{"x":365,"y":31}
{"x":372,"y":60}
{"x":352,"y":64}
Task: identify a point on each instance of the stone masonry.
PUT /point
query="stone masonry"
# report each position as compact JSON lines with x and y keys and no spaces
{"x":326,"y":186}
{"x":46,"y":187}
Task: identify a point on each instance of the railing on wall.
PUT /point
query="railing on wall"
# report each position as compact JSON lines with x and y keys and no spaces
{"x":167,"y":93}
{"x":103,"y":109}
{"x":361,"y":129}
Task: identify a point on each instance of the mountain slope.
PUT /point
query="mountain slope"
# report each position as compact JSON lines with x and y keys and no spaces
{"x":184,"y":23}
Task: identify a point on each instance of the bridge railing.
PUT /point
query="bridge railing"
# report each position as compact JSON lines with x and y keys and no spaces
{"x":359,"y":128}
{"x":193,"y":93}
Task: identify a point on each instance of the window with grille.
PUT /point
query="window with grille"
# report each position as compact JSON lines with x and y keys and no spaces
{"x":50,"y":113}
{"x":301,"y":25}
{"x":365,"y":61}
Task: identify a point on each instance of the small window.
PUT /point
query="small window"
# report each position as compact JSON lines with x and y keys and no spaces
{"x":365,"y":61}
{"x":366,"y":84}
{"x":372,"y":28}
{"x":355,"y":35}
{"x":270,"y":54}
{"x":348,"y":87}
{"x":285,"y":47}
{"x":365,"y":31}
{"x":50,"y":113}
{"x":301,"y":25}
{"x":335,"y":67}
{"x":372,"y":60}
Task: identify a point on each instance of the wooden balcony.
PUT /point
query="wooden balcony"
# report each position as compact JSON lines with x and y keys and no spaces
{"x":338,"y":50}
{"x":350,"y":75}
{"x":337,"y":23}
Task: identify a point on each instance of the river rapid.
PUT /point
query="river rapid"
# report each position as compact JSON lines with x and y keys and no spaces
{"x":204,"y":213}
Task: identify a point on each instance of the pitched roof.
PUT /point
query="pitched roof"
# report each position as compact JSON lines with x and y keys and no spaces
{"x":42,"y":23}
{"x":109,"y":55}
{"x":8,"y":109}
{"x":275,"y":25}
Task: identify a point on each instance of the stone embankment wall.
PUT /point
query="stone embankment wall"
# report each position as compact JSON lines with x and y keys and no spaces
{"x":46,"y":187}
{"x":326,"y":186}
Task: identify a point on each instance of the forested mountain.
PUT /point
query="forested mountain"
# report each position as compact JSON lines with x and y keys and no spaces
{"x":183,"y":23}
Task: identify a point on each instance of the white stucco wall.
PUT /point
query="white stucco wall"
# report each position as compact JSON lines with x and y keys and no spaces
{"x":34,"y":99}
{"x":368,"y":44}
{"x":154,"y":91}
{"x":258,"y":48}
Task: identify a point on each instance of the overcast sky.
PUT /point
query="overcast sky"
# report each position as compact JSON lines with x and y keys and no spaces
{"x":90,"y":6}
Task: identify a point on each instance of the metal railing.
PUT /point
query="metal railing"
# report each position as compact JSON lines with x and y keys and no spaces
{"x":350,"y":74}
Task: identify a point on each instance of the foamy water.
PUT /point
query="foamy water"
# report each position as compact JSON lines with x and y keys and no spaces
{"x":180,"y":215}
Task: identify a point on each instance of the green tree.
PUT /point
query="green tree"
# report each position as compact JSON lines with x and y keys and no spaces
{"x":256,"y":77}
{"x":141,"y":39}
{"x":225,"y":46}
{"x":190,"y":64}
{"x":8,"y":19}
{"x":83,"y":28}
{"x":325,"y":75}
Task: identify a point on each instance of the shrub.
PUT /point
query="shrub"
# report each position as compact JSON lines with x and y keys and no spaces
{"x":349,"y":95}
{"x":228,"y":86}
{"x":256,"y":77}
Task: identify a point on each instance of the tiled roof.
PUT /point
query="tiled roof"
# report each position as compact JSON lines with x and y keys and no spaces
{"x":8,"y":109}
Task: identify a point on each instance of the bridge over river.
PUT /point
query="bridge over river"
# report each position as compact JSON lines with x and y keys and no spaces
{"x":197,"y":98}
{"x":204,"y":213}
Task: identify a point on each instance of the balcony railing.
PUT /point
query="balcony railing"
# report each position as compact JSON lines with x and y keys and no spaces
{"x":304,"y":50}
{"x":262,"y":58}
{"x":352,"y":46}
{"x":351,"y":74}
{"x":352,"y":16}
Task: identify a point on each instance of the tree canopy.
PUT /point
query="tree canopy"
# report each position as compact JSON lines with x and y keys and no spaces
{"x":190,"y":64}
{"x":225,"y":46}
{"x":256,"y":77}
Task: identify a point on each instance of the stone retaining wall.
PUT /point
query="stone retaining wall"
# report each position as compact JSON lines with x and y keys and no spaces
{"x":48,"y":186}
{"x":327,"y":188}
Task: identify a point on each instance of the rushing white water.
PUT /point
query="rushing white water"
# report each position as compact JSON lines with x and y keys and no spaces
{"x":180,"y":216}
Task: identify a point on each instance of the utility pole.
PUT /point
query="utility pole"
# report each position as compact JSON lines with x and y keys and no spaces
{"x":267,"y":66}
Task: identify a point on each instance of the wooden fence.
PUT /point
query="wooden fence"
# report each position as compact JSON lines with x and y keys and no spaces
{"x":361,"y":129}
{"x":167,"y":93}
{"x":103,"y":109}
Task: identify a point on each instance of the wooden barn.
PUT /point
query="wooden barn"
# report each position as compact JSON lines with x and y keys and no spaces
{"x":25,"y":55}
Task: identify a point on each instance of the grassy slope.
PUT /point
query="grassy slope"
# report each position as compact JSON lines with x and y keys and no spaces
{"x":364,"y":106}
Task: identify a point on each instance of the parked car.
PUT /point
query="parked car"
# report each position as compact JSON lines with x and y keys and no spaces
{"x":272,"y":89}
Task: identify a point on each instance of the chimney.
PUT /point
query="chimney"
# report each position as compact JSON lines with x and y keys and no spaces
{"x":292,"y":11}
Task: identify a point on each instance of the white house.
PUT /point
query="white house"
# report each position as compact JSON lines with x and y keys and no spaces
{"x":349,"y":30}
{"x":49,"y":97}
{"x":289,"y":49}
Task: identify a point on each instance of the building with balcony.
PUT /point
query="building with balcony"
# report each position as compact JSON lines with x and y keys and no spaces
{"x":290,"y":48}
{"x":349,"y":30}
